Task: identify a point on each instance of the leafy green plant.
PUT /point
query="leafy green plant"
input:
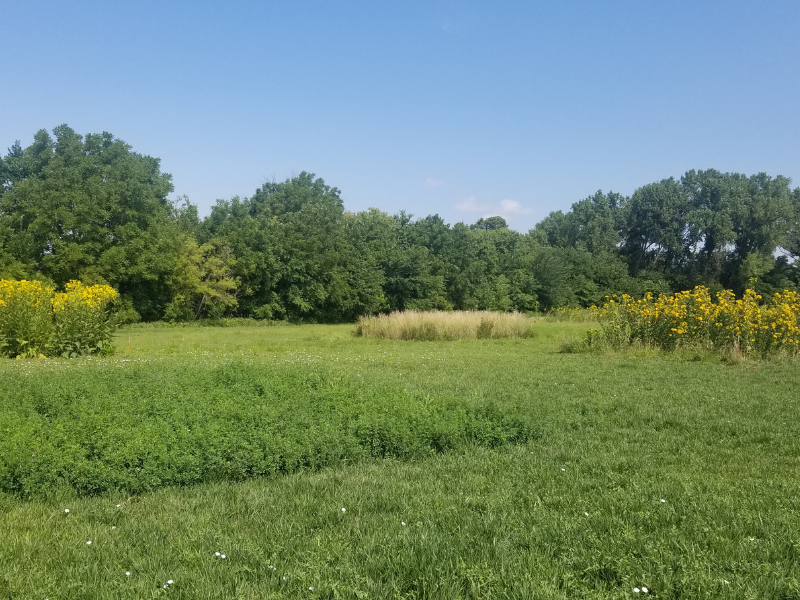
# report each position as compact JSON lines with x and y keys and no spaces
{"x":34,"y":321}
{"x":26,"y":322}
{"x":83,"y":323}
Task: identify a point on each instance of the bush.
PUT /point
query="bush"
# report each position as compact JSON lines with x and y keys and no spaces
{"x":441,"y":325}
{"x":81,"y":323}
{"x":35,"y":321}
{"x":26,"y":319}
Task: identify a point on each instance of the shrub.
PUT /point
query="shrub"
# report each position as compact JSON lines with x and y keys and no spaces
{"x":441,"y":325}
{"x":35,"y":321}
{"x":26,"y":321}
{"x":82,"y":324}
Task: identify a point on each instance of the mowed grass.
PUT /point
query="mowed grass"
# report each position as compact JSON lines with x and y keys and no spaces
{"x":614,"y":435}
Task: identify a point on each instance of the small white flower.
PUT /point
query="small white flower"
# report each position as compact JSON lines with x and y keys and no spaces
{"x":89,"y":543}
{"x":662,"y":500}
{"x":344,"y":510}
{"x":127,"y":573}
{"x":725,"y":581}
{"x":113,"y":527}
{"x":170,"y":582}
{"x":587,"y":514}
{"x":222,"y":556}
{"x":403,"y":523}
{"x":216,"y":553}
{"x":752,"y":539}
{"x":635,"y":590}
{"x":284,"y":577}
{"x":165,"y":586}
{"x":311,"y":588}
{"x":118,"y":505}
{"x":563,"y":469}
{"x":645,"y":590}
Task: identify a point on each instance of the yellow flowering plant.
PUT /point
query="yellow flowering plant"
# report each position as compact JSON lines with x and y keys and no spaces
{"x":36,"y":321}
{"x":26,"y":321}
{"x":82,"y":321}
{"x":748,"y":325}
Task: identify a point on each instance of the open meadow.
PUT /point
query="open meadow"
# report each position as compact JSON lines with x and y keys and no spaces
{"x":324,"y":465}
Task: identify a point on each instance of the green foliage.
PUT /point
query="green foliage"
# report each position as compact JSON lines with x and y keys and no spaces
{"x":489,"y":223}
{"x":26,"y":318}
{"x":137,"y":429}
{"x":35,"y":322}
{"x":89,"y":207}
{"x":614,"y":435}
{"x":202,"y":282}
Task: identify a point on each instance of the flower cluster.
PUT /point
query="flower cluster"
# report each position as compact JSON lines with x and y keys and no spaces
{"x":25,"y":317}
{"x":77,"y":294}
{"x":748,"y":324}
{"x":35,"y":321}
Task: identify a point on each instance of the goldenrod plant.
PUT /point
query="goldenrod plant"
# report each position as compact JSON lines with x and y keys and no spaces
{"x":36,"y":321}
{"x":748,"y":325}
{"x":26,"y":320}
{"x":82,"y":323}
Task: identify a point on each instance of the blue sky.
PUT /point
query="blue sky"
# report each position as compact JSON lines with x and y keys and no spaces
{"x":460,"y":108}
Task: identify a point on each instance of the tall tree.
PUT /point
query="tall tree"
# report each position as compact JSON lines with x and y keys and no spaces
{"x":202,"y":281}
{"x":791,"y":243}
{"x":89,"y":208}
{"x":761,"y":213}
{"x":656,"y":232}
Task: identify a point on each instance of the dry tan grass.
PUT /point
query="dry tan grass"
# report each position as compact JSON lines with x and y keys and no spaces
{"x":440,"y":325}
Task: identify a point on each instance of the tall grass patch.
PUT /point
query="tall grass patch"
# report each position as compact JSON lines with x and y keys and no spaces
{"x":441,"y":325}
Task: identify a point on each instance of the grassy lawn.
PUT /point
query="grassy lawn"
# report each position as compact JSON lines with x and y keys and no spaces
{"x":467,"y":469}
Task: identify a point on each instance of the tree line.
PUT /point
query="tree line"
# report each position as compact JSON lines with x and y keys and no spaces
{"x":90,"y":208}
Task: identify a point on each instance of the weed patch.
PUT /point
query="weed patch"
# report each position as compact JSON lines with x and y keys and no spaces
{"x":138,"y":428}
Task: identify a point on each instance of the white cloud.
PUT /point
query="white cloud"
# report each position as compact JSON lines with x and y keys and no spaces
{"x":469,"y":205}
{"x":430,"y":182}
{"x":512,"y":207}
{"x":504,"y":208}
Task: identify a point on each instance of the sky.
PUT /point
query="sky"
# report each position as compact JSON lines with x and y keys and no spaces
{"x":459,"y":108}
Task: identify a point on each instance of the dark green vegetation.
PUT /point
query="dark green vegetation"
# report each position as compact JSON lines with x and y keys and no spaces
{"x":90,"y":208}
{"x":135,"y":428}
{"x":614,"y":435}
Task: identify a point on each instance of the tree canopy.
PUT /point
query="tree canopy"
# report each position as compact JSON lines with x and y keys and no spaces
{"x":90,"y":208}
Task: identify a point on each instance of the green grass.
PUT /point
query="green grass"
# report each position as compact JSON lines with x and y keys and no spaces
{"x":612,"y":435}
{"x":131,"y":427}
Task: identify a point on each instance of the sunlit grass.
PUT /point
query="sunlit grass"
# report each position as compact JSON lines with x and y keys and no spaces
{"x":616,"y":435}
{"x":443,"y":325}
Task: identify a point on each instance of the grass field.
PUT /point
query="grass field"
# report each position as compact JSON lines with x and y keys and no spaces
{"x":467,"y":469}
